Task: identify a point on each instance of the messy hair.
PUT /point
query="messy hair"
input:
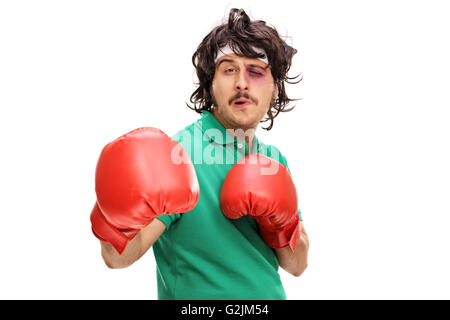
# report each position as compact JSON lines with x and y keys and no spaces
{"x":243,"y":35}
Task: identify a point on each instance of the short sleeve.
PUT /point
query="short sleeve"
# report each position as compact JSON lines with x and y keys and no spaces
{"x":168,"y":219}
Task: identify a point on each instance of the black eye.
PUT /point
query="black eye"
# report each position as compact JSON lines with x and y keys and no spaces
{"x":255,"y":73}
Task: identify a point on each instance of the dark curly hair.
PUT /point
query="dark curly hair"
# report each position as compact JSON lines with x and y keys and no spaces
{"x":242,"y":34}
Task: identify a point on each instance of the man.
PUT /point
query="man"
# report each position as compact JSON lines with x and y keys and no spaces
{"x":213,"y":243}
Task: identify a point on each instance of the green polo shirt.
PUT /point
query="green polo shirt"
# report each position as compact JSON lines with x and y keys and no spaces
{"x":202,"y":254}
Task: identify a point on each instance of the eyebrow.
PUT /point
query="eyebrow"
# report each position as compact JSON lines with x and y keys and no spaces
{"x":224,"y":60}
{"x":250,"y":65}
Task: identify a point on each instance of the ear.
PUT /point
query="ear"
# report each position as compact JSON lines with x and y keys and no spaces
{"x":275,"y":92}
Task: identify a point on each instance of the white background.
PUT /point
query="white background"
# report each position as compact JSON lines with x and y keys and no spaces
{"x":368,"y":145}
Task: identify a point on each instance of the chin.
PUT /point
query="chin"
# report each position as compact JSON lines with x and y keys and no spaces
{"x":245,"y":123}
{"x":239,"y":118}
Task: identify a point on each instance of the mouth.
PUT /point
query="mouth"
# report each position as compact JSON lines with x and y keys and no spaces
{"x":241,"y":102}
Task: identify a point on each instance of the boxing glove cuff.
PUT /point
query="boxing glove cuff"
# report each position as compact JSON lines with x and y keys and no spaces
{"x":106,"y":232}
{"x":281,"y":238}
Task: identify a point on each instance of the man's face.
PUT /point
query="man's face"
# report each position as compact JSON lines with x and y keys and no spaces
{"x":243,"y":90}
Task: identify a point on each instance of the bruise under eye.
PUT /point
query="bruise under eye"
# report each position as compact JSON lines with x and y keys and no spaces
{"x":255,"y":72}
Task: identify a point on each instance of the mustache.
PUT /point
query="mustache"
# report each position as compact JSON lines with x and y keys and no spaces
{"x":243,"y":95}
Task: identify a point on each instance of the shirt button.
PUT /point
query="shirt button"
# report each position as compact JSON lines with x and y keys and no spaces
{"x":240,"y":145}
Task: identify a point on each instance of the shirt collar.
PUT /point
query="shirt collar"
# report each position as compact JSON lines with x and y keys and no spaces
{"x":214,"y":130}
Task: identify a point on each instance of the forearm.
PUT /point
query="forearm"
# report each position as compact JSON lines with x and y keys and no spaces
{"x":295,"y":262}
{"x":135,"y":249}
{"x":132,"y":252}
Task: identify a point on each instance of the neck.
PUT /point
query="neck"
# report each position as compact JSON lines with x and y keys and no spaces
{"x":239,"y":133}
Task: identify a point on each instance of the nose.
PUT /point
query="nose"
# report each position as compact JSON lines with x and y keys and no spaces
{"x":241,"y":82}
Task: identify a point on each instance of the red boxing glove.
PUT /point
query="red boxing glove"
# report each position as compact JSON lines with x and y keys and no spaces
{"x":262,"y":188}
{"x":106,"y":232}
{"x":136,"y":180}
